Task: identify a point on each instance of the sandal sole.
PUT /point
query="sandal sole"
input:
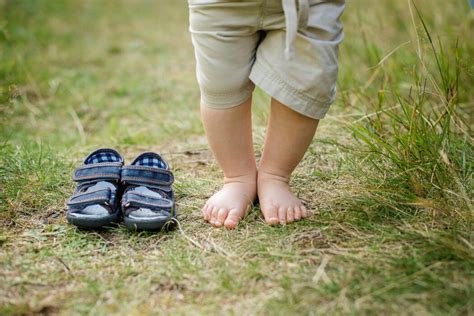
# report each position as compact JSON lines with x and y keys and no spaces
{"x":110,"y":220}
{"x":134,"y":224}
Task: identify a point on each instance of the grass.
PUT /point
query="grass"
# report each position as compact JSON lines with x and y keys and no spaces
{"x":389,"y":174}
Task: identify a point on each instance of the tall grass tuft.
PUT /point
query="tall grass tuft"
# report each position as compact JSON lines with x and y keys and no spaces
{"x":419,"y":147}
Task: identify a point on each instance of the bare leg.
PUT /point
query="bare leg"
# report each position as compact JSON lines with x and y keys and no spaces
{"x":229,"y":133}
{"x":288,"y":137}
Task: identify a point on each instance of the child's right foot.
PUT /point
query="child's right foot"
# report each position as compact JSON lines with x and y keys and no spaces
{"x":229,"y":205}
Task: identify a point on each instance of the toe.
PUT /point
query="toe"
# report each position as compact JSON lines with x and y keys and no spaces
{"x":221,"y":216}
{"x":205,"y":212}
{"x":304,"y":211}
{"x":282,"y":215}
{"x":290,"y":215}
{"x":232,"y":219}
{"x":297,"y":213}
{"x":214,"y":212}
{"x":271,"y":215}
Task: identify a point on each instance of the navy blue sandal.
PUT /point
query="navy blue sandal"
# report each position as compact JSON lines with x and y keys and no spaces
{"x":148,"y":199}
{"x":95,"y":202}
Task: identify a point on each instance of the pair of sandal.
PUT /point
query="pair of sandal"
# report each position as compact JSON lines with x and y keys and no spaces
{"x":107,"y":191}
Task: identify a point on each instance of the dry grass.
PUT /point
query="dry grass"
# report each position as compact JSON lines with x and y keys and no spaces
{"x":82,"y":74}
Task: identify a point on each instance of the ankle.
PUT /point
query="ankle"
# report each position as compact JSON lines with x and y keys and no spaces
{"x":264,"y":175}
{"x":245,"y":178}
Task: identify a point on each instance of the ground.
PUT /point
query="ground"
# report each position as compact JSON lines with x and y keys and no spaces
{"x":389,"y":174}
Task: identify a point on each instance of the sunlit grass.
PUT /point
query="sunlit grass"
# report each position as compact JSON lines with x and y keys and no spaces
{"x":389,"y":175}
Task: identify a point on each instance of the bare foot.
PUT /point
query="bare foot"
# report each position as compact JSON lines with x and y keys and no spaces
{"x":229,"y":205}
{"x":278,"y":204}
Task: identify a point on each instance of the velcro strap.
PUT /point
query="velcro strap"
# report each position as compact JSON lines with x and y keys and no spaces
{"x":98,"y":171}
{"x":99,"y":196}
{"x":141,"y":175}
{"x":137,"y":199}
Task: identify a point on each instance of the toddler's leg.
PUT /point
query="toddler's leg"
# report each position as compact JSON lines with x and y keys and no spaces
{"x":288,"y":136}
{"x":225,"y":39}
{"x":304,"y":80}
{"x":229,"y":133}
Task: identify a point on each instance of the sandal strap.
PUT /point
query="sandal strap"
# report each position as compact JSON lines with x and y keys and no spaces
{"x":138,"y":199}
{"x":98,"y":171}
{"x":142,"y":175}
{"x":99,"y":196}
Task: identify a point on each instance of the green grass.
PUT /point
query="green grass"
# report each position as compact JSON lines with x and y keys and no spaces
{"x":389,"y":174}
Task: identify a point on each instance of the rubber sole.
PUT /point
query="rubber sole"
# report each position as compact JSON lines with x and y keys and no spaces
{"x":168,"y":223}
{"x":84,"y":222}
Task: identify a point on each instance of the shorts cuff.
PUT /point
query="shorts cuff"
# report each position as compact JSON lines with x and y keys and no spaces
{"x":227,"y":100}
{"x":267,"y":80}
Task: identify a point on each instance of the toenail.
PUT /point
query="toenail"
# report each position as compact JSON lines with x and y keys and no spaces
{"x":273,"y":221}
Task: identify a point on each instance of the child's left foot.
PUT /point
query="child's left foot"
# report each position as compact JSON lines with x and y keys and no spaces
{"x":279,"y":205}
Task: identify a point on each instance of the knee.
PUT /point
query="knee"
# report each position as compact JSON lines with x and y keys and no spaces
{"x":224,"y":92}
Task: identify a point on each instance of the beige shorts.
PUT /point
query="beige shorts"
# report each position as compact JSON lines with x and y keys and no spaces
{"x":288,"y":48}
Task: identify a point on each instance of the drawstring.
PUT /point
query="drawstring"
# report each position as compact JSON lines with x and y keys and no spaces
{"x":295,"y":20}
